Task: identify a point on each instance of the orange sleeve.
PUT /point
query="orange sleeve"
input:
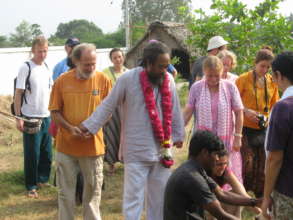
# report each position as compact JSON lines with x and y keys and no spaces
{"x":275,"y":97}
{"x":56,"y":102}
{"x":240,"y":85}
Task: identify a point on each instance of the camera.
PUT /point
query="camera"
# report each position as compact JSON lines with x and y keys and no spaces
{"x":262,"y":121}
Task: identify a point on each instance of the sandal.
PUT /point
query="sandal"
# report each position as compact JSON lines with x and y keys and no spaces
{"x":32,"y":193}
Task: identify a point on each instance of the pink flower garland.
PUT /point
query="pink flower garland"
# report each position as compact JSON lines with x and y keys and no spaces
{"x":162,"y":131}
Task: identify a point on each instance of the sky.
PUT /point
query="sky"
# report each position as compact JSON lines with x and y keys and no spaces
{"x":106,"y":14}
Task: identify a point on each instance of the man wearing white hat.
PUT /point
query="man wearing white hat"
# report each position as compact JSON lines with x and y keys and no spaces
{"x":215,"y":45}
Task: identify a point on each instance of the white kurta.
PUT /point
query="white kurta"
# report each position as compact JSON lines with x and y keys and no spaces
{"x":140,"y":149}
{"x":138,"y":141}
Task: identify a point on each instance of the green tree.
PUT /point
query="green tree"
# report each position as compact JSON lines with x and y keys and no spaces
{"x":36,"y":30}
{"x":56,"y":41}
{"x":84,"y":30}
{"x":24,"y":34}
{"x":137,"y":31}
{"x":153,"y":10}
{"x":290,"y":20}
{"x":110,"y":40}
{"x":4,"y":42}
{"x":247,"y":30}
{"x":143,"y":12}
{"x":118,"y":37}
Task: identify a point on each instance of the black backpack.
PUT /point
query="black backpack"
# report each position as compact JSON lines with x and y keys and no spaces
{"x":27,"y":87}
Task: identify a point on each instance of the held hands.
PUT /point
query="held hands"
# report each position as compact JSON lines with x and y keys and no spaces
{"x":75,"y":131}
{"x":85,"y":131}
{"x":256,"y":208}
{"x":258,"y":202}
{"x":80,"y":131}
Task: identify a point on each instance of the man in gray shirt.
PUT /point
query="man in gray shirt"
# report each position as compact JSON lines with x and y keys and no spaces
{"x":141,"y":146}
{"x":215,"y":45}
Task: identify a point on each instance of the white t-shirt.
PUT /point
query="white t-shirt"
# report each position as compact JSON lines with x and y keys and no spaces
{"x":41,"y":83}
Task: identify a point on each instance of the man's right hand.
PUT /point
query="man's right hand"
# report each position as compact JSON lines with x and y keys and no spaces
{"x":19,"y":124}
{"x":76,"y":131}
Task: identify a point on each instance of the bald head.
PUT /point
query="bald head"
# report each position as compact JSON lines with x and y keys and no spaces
{"x":84,"y":56}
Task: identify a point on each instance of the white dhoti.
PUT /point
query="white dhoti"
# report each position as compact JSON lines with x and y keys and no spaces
{"x":144,"y":181}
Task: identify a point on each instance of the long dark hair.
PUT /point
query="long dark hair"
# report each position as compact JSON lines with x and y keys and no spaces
{"x":152,"y":51}
{"x":220,"y":180}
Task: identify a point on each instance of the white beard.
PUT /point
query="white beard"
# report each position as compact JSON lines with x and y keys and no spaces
{"x":82,"y":75}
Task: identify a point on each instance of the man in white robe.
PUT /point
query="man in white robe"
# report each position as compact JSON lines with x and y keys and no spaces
{"x":145,"y":177}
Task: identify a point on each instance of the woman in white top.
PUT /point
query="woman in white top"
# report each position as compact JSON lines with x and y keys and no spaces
{"x":229,"y":60}
{"x":112,"y":128}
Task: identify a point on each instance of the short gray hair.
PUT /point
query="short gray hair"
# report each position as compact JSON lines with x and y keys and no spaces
{"x":77,"y":50}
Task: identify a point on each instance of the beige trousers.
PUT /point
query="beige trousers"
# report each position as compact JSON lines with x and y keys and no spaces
{"x":92,"y":171}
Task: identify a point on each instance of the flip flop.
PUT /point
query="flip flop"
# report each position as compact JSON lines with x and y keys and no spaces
{"x":32,"y":193}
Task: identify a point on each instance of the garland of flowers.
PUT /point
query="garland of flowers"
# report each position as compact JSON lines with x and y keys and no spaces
{"x":162,"y":130}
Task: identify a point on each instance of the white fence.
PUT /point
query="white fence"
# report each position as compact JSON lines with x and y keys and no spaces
{"x":12,"y":58}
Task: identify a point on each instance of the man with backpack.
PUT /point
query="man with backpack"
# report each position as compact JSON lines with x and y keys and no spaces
{"x":32,"y":93}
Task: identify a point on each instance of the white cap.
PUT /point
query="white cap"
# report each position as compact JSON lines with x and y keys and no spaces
{"x":216,"y":42}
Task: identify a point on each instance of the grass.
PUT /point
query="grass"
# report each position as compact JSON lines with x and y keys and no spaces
{"x":14,"y":205}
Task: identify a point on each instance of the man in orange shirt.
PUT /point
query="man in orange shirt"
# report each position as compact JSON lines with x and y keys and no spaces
{"x":75,"y":95}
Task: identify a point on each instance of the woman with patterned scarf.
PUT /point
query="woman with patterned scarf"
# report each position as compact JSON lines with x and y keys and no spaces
{"x":212,"y":101}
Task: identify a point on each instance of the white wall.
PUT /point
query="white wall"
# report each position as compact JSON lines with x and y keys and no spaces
{"x":12,"y":58}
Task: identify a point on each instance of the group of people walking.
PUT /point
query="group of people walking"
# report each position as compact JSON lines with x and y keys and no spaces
{"x":141,"y":117}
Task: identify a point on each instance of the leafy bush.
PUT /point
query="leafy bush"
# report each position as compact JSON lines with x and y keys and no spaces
{"x":246,"y":30}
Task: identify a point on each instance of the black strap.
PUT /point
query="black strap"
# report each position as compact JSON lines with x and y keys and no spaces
{"x":27,"y":82}
{"x":266,"y":109}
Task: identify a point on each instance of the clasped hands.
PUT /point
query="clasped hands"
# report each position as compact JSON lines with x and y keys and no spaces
{"x":83,"y":132}
{"x":80,"y":131}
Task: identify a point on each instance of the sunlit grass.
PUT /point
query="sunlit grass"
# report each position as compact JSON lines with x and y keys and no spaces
{"x":14,"y":205}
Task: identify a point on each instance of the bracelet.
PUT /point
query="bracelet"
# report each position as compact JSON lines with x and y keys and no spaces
{"x":237,"y":135}
{"x":252,"y":202}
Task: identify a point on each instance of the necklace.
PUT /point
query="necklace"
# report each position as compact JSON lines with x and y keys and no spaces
{"x":161,"y":128}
